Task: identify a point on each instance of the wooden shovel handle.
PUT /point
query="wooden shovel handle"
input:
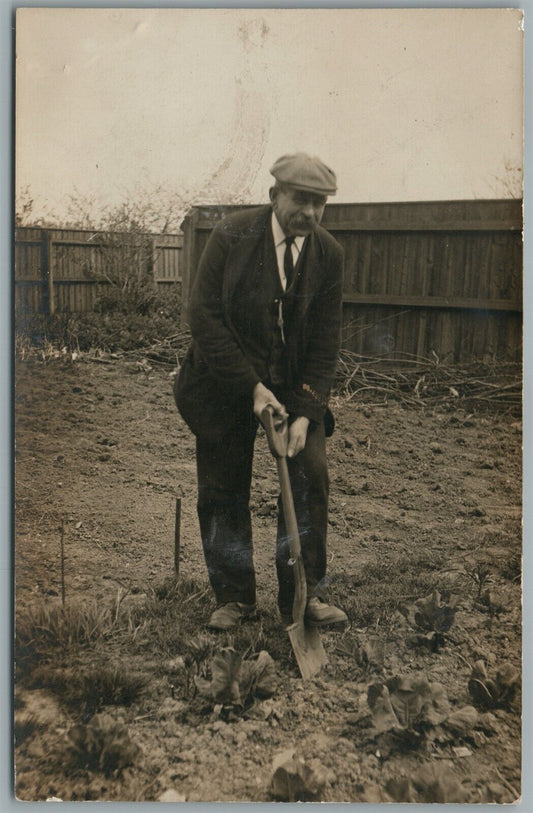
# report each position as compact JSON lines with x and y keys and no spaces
{"x":277,"y":436}
{"x":276,"y":431}
{"x":291,"y":526}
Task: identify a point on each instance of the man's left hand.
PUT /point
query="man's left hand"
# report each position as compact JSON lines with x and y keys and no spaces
{"x":297,"y":436}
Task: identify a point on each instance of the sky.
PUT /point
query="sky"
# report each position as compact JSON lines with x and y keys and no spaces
{"x":404,"y":104}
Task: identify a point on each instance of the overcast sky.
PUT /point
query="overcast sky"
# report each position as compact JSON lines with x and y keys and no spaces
{"x":404,"y":104}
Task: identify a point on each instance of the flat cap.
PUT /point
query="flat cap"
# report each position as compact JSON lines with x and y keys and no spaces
{"x":302,"y":171}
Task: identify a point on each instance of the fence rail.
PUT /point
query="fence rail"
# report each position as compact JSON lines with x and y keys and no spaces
{"x":441,"y":276}
{"x":66,"y":269}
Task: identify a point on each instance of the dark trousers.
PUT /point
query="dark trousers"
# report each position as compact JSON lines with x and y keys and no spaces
{"x":224,"y":478}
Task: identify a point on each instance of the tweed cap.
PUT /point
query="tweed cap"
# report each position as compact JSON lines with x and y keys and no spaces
{"x":302,"y":171}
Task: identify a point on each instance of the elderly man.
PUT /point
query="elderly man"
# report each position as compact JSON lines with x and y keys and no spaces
{"x":265,"y":317}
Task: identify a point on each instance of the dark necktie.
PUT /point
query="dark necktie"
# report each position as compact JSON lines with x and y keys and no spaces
{"x":288,"y":265}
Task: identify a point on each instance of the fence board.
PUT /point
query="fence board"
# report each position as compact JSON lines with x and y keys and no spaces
{"x":62,"y":269}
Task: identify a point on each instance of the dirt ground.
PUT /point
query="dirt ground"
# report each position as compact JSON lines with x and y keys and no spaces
{"x":102,"y":450}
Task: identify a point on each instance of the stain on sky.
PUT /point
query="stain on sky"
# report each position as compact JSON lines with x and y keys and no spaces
{"x":244,"y":152}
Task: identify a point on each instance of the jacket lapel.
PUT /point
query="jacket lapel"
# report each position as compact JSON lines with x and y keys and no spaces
{"x":311,"y":276}
{"x":245,"y":253}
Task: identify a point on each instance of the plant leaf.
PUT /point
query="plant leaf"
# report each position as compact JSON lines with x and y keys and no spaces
{"x":258,"y":677}
{"x":407,"y":703}
{"x":400,"y":789}
{"x":462,"y":721}
{"x":435,"y":706}
{"x":265,"y":675}
{"x":507,"y":676}
{"x":406,"y":699}
{"x":439,"y":785}
{"x":372,"y":653}
{"x":480,"y":693}
{"x":203,"y":686}
{"x":383,"y":714}
{"x":494,"y":692}
{"x":294,"y":780}
{"x":430,"y":784}
{"x":479,"y":670}
{"x":225,"y":669}
{"x":432,"y":614}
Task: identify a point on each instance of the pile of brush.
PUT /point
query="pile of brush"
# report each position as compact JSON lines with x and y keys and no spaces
{"x":422,"y":381}
{"x":414,"y":380}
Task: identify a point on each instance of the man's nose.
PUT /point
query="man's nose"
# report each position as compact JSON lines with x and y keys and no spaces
{"x":309,"y":211}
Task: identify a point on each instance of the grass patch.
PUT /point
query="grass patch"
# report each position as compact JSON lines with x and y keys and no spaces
{"x":373,"y":596}
{"x":47,"y":632}
{"x":83,"y":653}
{"x":54,"y":643}
{"x":24,"y":728}
{"x":85,"y":690}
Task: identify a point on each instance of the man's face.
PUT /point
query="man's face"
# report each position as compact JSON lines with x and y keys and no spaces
{"x":298,"y":212}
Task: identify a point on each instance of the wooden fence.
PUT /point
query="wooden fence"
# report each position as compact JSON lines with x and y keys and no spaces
{"x":64,"y":270}
{"x":442,"y":277}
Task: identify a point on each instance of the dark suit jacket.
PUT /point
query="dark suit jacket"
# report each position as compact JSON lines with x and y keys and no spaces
{"x":217,"y":378}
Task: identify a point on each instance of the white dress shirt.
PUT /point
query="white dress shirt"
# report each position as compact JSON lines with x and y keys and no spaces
{"x":279,"y":243}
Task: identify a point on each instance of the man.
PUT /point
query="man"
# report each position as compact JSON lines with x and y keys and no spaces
{"x":265,"y":317}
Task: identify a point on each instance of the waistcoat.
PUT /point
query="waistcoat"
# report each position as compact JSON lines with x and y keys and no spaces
{"x":256,"y":315}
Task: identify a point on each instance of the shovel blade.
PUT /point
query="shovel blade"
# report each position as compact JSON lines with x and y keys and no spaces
{"x":308,"y":649}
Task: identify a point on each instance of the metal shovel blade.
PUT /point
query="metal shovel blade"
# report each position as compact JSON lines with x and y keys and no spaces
{"x":308,"y":649}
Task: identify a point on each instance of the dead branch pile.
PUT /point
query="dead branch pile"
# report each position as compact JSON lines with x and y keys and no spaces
{"x":165,"y":352}
{"x":416,"y":381}
{"x":421,"y":381}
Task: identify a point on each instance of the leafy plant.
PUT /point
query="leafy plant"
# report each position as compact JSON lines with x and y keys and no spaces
{"x":224,"y":684}
{"x":295,"y":780}
{"x":407,"y":706}
{"x":431,"y":784}
{"x":480,"y":573}
{"x":235,"y":682}
{"x":433,"y":616}
{"x":367,"y":652}
{"x":103,"y":744}
{"x":258,"y":678}
{"x":493,"y":692}
{"x":489,"y":602}
{"x":411,"y":711}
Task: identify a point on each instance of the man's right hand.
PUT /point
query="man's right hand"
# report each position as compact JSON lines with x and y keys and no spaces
{"x":263,"y":397}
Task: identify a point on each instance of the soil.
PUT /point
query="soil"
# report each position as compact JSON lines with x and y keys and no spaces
{"x":102,"y":455}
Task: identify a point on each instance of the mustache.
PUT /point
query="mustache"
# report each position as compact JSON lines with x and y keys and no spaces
{"x":304,"y":221}
{"x":304,"y":224}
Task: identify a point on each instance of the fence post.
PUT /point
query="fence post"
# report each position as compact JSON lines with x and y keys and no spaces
{"x":47,"y":272}
{"x":177,"y":536}
{"x":153,"y":262}
{"x":189,"y":251}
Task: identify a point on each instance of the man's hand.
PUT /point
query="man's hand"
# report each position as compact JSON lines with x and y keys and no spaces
{"x":297,"y":436}
{"x":263,"y":397}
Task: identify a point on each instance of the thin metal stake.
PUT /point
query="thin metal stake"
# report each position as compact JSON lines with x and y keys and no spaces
{"x":63,"y":562}
{"x":177,"y":534}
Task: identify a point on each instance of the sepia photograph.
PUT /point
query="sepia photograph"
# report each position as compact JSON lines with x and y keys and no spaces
{"x":283,"y":246}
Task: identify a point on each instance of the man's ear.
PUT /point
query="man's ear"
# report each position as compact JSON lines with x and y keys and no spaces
{"x":272,"y":193}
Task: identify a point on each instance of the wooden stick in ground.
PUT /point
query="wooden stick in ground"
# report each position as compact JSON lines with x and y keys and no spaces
{"x":63,"y":562}
{"x":177,"y":535}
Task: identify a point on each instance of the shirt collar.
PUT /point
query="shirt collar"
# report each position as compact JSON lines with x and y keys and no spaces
{"x":280,"y":236}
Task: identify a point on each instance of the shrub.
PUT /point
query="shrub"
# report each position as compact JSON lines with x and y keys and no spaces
{"x":113,"y":326}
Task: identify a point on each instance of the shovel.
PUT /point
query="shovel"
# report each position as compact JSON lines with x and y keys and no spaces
{"x":305,"y":640}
